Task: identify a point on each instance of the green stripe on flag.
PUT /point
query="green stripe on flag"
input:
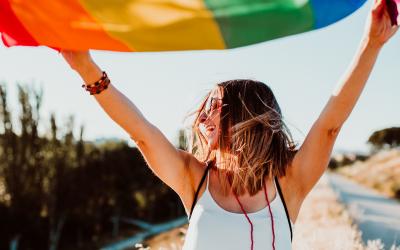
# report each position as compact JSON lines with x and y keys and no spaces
{"x":244,"y":22}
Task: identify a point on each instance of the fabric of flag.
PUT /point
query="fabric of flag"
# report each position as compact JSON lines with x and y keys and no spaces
{"x":163,"y":25}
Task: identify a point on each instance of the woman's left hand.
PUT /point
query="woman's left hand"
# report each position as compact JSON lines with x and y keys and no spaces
{"x":379,"y":29}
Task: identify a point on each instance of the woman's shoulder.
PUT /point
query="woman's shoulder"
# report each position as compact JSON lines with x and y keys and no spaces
{"x":291,"y":192}
{"x":198,"y":169}
{"x":195,"y":168}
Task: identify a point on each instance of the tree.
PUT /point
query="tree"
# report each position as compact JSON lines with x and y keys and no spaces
{"x":62,"y":192}
{"x":388,"y":137}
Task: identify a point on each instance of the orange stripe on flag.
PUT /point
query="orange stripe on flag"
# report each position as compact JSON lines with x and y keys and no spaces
{"x":63,"y":24}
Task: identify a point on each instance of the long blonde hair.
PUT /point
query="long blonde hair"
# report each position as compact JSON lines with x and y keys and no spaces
{"x":253,"y":142}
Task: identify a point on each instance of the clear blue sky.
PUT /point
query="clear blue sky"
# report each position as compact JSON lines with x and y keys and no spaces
{"x":302,"y":70}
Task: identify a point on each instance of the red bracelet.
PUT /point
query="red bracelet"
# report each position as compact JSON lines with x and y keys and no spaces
{"x":99,"y":86}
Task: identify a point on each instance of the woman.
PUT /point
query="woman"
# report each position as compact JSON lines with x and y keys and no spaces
{"x":255,"y":181}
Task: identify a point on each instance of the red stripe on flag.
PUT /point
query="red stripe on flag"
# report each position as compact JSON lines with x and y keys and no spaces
{"x":12,"y":31}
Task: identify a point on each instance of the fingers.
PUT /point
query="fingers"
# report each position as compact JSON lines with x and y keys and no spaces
{"x":390,"y":18}
{"x":381,"y":13}
{"x":393,"y":30}
{"x":379,"y":8}
{"x":386,"y":19}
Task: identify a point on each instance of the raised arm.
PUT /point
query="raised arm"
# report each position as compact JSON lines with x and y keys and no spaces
{"x":313,"y":156}
{"x":167,"y":162}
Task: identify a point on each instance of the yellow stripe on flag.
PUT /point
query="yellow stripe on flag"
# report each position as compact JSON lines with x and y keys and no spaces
{"x":158,"y":25}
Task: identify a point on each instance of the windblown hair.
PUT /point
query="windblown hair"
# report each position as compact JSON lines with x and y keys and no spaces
{"x":254,"y":142}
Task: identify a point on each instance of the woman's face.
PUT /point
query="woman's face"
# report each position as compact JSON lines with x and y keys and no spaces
{"x":210,"y":118}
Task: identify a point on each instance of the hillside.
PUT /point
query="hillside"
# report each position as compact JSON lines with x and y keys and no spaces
{"x":381,"y":171}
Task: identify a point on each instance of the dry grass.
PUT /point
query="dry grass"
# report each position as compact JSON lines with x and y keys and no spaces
{"x":171,"y":240}
{"x":323,"y":223}
{"x":381,"y":172}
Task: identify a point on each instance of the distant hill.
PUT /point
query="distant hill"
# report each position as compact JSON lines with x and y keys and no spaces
{"x":381,"y":171}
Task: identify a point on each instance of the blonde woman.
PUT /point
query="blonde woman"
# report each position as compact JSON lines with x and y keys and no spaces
{"x":242,"y":182}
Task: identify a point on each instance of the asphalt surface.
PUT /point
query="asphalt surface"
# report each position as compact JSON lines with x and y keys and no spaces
{"x":377,"y":217}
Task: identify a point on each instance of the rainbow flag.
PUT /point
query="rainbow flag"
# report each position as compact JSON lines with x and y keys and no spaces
{"x":162,"y":25}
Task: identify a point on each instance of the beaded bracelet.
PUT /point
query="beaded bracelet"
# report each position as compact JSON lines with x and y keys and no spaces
{"x":98,"y":86}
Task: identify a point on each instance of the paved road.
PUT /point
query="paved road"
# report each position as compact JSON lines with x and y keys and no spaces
{"x":149,"y":231}
{"x":376,"y":215}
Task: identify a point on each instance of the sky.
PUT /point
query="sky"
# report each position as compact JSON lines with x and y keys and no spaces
{"x":302,"y":71}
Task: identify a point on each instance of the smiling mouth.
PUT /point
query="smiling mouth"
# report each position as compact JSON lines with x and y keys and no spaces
{"x":210,"y":129}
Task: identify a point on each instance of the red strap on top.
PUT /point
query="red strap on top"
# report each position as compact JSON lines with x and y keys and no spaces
{"x":248,"y":219}
{"x":251,"y":224}
{"x":272,"y":218}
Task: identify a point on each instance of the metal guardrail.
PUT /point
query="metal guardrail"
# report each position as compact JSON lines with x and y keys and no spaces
{"x":150,"y":230}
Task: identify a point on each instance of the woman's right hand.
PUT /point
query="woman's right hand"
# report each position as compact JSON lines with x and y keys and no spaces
{"x":82,"y":62}
{"x":379,"y":29}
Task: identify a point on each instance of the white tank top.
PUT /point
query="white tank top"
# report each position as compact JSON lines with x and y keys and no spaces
{"x":212,"y":227}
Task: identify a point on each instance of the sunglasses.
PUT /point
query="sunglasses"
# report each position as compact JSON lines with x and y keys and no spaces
{"x":211,"y":105}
